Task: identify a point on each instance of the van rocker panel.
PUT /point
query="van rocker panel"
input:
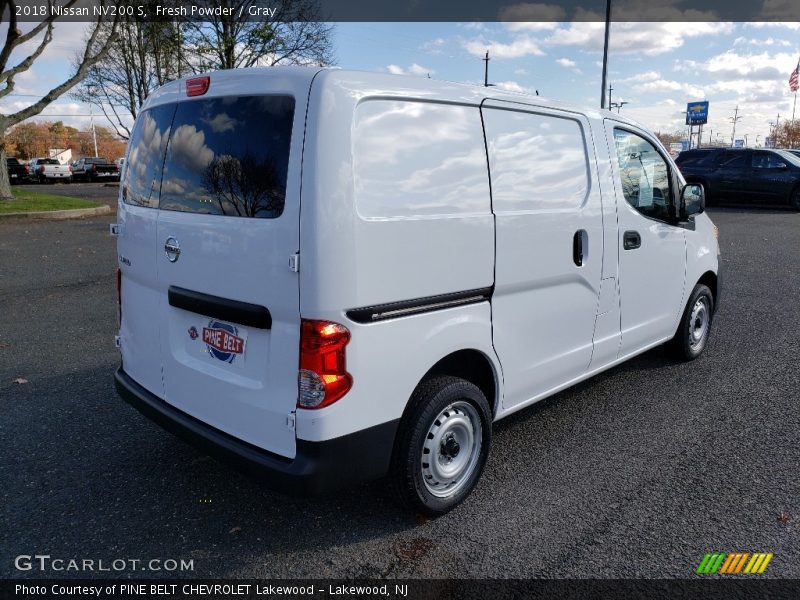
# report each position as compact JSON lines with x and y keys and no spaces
{"x":318,"y":467}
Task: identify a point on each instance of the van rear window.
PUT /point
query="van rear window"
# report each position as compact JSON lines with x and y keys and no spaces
{"x":229,"y":156}
{"x":222,"y":156}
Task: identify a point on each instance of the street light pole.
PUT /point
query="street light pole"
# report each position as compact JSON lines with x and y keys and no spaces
{"x":486,"y":70}
{"x":605,"y":59}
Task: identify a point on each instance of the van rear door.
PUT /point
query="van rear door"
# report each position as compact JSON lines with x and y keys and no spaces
{"x":227,"y":229}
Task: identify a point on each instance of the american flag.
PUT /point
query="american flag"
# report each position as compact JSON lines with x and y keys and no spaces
{"x":793,"y":83}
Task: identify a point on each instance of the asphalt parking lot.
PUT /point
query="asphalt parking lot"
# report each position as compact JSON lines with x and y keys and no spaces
{"x":635,"y":473}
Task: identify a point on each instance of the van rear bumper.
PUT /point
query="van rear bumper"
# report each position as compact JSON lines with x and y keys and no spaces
{"x":317,"y":467}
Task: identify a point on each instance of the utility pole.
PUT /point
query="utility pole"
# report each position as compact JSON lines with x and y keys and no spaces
{"x":486,"y":70}
{"x":92,"y":93}
{"x":609,"y":96}
{"x":605,"y":58}
{"x":733,"y":120}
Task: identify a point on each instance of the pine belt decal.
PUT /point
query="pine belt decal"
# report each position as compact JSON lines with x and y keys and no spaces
{"x":223,"y":341}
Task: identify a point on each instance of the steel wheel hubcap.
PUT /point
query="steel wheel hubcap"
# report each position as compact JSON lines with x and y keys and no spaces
{"x":698,"y":322}
{"x":451,"y":449}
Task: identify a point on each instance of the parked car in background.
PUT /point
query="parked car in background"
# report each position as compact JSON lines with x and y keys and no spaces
{"x":49,"y":169}
{"x":95,"y":169}
{"x":795,"y":152}
{"x":17,"y":171}
{"x":743,"y":175}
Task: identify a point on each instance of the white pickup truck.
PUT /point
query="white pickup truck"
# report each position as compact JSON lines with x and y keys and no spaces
{"x":49,"y":169}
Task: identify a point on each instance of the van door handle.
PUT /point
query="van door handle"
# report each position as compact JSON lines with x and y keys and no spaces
{"x":631,"y":240}
{"x":577,"y":247}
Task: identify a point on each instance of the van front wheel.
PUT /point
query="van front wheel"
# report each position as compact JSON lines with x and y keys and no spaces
{"x":442,"y":445}
{"x":692,"y":335}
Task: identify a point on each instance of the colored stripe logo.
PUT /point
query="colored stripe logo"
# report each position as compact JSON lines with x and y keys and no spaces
{"x":734,"y":563}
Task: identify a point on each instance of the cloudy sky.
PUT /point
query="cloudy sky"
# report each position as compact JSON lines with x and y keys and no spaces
{"x":656,"y":67}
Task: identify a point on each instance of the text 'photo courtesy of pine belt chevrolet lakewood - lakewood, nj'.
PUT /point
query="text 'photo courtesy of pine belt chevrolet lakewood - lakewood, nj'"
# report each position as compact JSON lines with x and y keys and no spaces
{"x":328,"y":276}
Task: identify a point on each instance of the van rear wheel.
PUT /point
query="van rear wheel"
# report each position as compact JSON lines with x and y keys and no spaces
{"x":695,"y":327}
{"x":442,"y":445}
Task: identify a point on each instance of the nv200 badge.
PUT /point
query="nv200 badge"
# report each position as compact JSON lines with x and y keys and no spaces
{"x":223,"y":341}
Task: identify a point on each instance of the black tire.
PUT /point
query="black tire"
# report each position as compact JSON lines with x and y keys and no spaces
{"x":695,"y":327}
{"x":464,"y":407}
{"x":795,"y":199}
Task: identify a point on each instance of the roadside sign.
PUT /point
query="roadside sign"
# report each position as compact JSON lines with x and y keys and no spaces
{"x":697,"y":113}
{"x":738,"y":143}
{"x":675,"y":148}
{"x":769,"y":142}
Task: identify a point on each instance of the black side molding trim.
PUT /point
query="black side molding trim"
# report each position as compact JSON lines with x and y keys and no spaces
{"x":243,"y":313}
{"x":405,"y":308}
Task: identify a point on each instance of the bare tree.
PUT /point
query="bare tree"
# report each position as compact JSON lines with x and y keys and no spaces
{"x":146,"y":56}
{"x":93,"y":51}
{"x":293,"y":35}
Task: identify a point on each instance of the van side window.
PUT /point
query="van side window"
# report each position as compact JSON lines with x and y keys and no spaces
{"x":142,"y":178}
{"x":644,"y":175}
{"x":418,"y":159}
{"x":536,"y":161}
{"x":229,"y":156}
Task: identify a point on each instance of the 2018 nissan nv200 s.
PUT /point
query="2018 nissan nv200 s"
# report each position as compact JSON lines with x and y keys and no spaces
{"x":330,"y":276}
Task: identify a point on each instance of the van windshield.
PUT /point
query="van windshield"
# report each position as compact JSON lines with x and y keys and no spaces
{"x":229,"y":156}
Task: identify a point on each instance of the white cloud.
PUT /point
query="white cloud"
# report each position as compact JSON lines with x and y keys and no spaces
{"x":565,"y":62}
{"x":770,"y":41}
{"x":666,"y":85}
{"x":414,"y":69}
{"x":221,"y":123}
{"x":188,"y":147}
{"x":519,"y":47}
{"x":513,"y":86}
{"x":646,"y":38}
{"x":731,"y":65}
{"x":434,"y":46}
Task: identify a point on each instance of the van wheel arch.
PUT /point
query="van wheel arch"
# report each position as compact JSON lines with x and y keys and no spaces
{"x":470,"y":365}
{"x":709,"y":279}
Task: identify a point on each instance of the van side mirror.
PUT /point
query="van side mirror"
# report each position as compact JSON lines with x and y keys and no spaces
{"x":693,"y":200}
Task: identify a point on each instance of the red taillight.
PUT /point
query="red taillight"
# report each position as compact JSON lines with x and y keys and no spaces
{"x":70,"y":168}
{"x":197,"y":86}
{"x":94,"y":168}
{"x":41,"y":169}
{"x":28,"y":169}
{"x":119,"y":295}
{"x":323,"y":377}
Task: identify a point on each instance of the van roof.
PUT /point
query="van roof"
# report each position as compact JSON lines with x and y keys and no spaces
{"x":368,"y":83}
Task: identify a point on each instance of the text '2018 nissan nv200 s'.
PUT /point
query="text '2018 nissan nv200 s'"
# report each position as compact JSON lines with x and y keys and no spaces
{"x":330,"y":276}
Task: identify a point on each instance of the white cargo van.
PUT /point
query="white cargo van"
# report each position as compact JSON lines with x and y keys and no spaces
{"x":330,"y":276}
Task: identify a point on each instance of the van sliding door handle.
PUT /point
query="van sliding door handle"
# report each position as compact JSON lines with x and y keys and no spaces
{"x":577,"y":247}
{"x":631,"y":240}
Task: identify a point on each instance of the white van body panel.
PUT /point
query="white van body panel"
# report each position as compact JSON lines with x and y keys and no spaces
{"x":543,"y":198}
{"x":140,"y":329}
